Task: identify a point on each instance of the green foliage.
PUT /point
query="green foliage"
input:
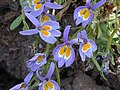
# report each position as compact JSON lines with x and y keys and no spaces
{"x":16,"y":22}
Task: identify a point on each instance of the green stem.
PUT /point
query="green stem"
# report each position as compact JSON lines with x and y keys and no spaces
{"x":47,"y":49}
{"x":21,"y":3}
{"x":57,"y":74}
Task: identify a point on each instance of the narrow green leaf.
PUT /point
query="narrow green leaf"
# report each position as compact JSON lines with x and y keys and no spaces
{"x":99,"y":32}
{"x":16,"y":22}
{"x":57,"y":74}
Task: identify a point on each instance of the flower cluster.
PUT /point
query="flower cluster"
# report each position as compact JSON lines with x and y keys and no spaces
{"x":47,"y":27}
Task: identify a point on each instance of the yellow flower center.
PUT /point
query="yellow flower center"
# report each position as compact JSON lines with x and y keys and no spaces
{"x":44,"y":18}
{"x":39,"y":59}
{"x":38,"y":6}
{"x":65,"y":50}
{"x":86,"y":47}
{"x":85,"y":12}
{"x":44,"y":30}
{"x":48,"y":85}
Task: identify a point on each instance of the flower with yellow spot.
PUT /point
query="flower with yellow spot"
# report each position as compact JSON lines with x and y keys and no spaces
{"x":64,"y":53}
{"x":47,"y":30}
{"x":37,"y":61}
{"x":84,"y":14}
{"x":39,"y":6}
{"x":87,"y":47}
{"x":46,"y":82}
{"x":45,"y":18}
{"x":23,"y":85}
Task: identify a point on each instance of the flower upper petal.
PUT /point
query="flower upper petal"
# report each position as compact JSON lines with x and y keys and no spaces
{"x":50,"y":71}
{"x":98,"y":4}
{"x":84,"y":34}
{"x":88,"y":2}
{"x":53,"y":5}
{"x":65,"y":33}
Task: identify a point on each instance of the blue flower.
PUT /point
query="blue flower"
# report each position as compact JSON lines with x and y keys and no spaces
{"x":47,"y":30}
{"x":87,"y":47}
{"x":23,"y":85}
{"x":64,"y":53}
{"x":46,"y":82}
{"x":39,"y":6}
{"x":37,"y":61}
{"x":84,"y":14}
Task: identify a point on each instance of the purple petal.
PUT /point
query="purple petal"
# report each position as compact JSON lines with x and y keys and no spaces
{"x":51,"y":17}
{"x":50,"y":71}
{"x":79,"y":35}
{"x":71,"y":58}
{"x":76,"y":41}
{"x":55,"y":25}
{"x":86,"y":22}
{"x":29,"y":32}
{"x":50,"y":39}
{"x":79,"y":20}
{"x":41,"y":85}
{"x":61,"y":62}
{"x":33,"y":64}
{"x":32,"y":19}
{"x":36,"y":13}
{"x":55,"y":33}
{"x":28,"y":77}
{"x":53,"y":5}
{"x":16,"y":87}
{"x":56,"y":50}
{"x":39,"y":76}
{"x":83,"y":57}
{"x":77,"y":10}
{"x":55,"y":85}
{"x":94,"y":46}
{"x":98,"y":4}
{"x":88,"y":2}
{"x":27,"y":9}
{"x":65,"y":33}
{"x":84,"y":34}
{"x":89,"y":53}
